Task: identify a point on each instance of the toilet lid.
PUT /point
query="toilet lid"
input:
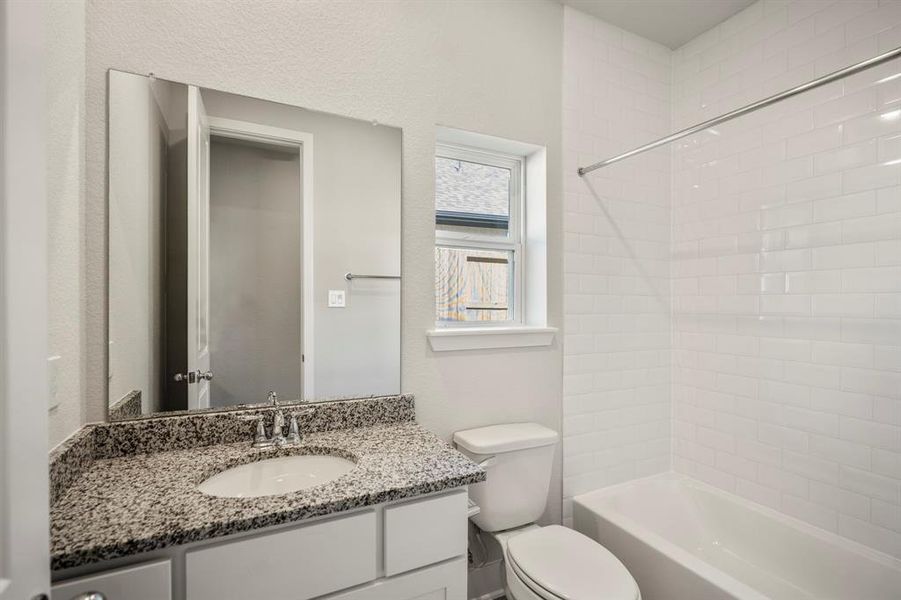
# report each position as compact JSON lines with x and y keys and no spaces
{"x":566,"y":564}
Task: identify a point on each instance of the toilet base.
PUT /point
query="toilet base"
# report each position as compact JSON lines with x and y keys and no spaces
{"x":513,"y":586}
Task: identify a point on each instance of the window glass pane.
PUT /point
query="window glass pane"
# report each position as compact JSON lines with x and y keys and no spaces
{"x":471,"y":197}
{"x":473,"y":285}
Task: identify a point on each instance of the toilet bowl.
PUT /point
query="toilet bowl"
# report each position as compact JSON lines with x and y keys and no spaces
{"x":556,"y":563}
{"x":541,"y":563}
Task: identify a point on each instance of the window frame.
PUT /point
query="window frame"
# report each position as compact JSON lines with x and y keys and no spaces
{"x":513,"y":243}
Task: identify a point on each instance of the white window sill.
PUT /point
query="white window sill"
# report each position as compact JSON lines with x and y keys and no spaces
{"x":480,"y":338}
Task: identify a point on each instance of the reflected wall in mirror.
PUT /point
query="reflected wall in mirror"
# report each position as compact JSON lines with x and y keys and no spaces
{"x":233,"y":225}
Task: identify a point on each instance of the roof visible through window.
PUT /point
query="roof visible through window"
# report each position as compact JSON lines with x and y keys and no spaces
{"x":471,"y":188}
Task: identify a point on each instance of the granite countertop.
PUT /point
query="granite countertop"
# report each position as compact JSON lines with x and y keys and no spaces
{"x":136,"y":503}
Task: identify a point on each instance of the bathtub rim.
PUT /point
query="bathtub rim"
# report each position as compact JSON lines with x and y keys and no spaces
{"x":697,"y":565}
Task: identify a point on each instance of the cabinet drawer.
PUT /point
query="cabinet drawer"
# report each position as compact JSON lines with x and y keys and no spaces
{"x":151,"y":581}
{"x":424,"y":532}
{"x":299,"y":563}
{"x":446,"y":581}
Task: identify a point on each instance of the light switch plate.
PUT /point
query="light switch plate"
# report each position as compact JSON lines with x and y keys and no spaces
{"x":336,"y":299}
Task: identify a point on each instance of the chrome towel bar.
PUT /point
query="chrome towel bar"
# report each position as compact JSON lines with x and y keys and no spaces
{"x":352,"y":276}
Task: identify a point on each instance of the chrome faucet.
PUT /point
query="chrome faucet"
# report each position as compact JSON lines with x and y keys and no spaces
{"x":277,"y":436}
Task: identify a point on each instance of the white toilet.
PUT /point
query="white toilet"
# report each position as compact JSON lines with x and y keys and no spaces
{"x":542,"y":563}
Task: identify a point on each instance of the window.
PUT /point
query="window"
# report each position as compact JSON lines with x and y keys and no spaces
{"x":479,"y":237}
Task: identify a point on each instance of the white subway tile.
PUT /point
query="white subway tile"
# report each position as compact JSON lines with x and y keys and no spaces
{"x":811,"y":467}
{"x":813,"y":282}
{"x":849,"y":206}
{"x":888,"y":305}
{"x":813,"y":328}
{"x":875,"y":280}
{"x":888,"y":252}
{"x":871,"y":177}
{"x":786,"y":260}
{"x":783,"y":437}
{"x":758,"y":493}
{"x":821,"y":234}
{"x":782,"y":480}
{"x":886,"y":515}
{"x":888,"y":358}
{"x":872,"y":331}
{"x":812,"y":142}
{"x":841,"y":451}
{"x":846,"y":107}
{"x":786,"y":305}
{"x":810,"y":420}
{"x":811,"y":512}
{"x":888,"y":200}
{"x":846,"y":157}
{"x":845,"y":256}
{"x":841,"y":500}
{"x":887,"y":463}
{"x":869,"y":381}
{"x":879,"y":435}
{"x":844,"y":354}
{"x":785,"y":349}
{"x":842,"y":403}
{"x":870,"y":484}
{"x":813,"y":188}
{"x":842,"y":305}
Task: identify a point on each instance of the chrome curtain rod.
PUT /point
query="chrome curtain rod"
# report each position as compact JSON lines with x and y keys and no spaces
{"x":804,"y":87}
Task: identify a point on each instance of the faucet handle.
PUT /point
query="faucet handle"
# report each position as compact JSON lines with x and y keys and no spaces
{"x":293,"y":436}
{"x":259,"y":439}
{"x":278,"y":428}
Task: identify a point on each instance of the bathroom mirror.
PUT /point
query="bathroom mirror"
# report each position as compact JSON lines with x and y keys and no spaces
{"x":253,"y":247}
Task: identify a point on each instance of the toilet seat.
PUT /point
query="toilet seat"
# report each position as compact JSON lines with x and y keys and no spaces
{"x":557,"y":563}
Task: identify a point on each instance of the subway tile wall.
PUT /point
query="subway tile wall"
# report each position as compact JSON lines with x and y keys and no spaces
{"x":786,"y":266}
{"x":752,"y":274}
{"x":616,"y":406}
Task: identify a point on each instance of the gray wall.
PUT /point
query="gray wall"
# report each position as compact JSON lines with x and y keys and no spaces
{"x":356,"y":224}
{"x":255,"y":272}
{"x":139,"y":142}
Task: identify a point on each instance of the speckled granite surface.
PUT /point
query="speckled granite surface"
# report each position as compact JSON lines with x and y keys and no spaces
{"x":128,"y":407}
{"x":134,"y":503}
{"x":190,"y":430}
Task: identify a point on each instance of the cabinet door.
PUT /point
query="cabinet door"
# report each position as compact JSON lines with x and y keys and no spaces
{"x":425,"y":532}
{"x":151,"y":581}
{"x":294,"y":564}
{"x":445,"y":581}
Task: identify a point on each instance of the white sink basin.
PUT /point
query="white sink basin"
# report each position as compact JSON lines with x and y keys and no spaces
{"x":276,"y":476}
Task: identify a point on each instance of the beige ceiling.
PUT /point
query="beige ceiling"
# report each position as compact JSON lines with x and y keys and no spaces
{"x":668,"y":22}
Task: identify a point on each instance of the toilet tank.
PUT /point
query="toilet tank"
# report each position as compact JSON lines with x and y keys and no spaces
{"x":518,"y":459}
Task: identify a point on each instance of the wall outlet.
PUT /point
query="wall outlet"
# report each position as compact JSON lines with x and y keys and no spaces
{"x":53,"y":381}
{"x":336,"y":299}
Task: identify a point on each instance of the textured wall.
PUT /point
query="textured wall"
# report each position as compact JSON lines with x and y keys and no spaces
{"x":787,"y":267}
{"x":491,"y":67}
{"x":65,"y":210}
{"x":616,"y":409}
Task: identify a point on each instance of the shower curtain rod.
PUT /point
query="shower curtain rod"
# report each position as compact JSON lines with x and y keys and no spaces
{"x":804,"y":87}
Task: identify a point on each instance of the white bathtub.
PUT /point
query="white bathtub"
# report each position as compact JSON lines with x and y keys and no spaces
{"x":685,"y":540}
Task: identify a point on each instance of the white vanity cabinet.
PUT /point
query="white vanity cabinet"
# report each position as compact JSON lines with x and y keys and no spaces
{"x":406,"y":550}
{"x":147,"y":581}
{"x":446,"y":581}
